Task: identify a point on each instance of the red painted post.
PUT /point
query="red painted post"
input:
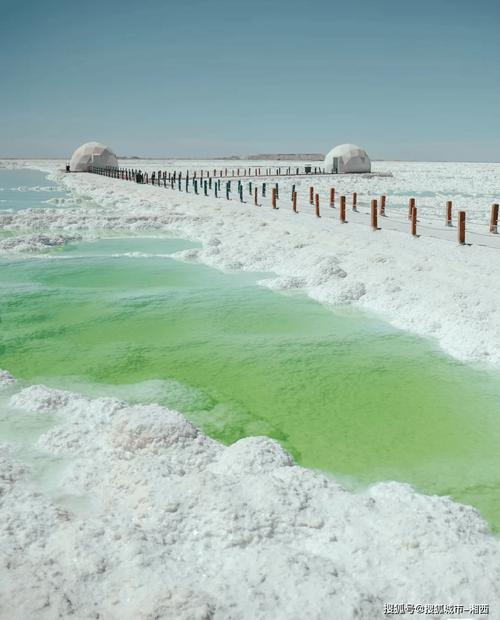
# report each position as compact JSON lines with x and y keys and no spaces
{"x":494,"y":219}
{"x":414,"y":221}
{"x":374,"y":221}
{"x":449,"y":206}
{"x":317,"y":205}
{"x":311,"y":195}
{"x":411,"y":204}
{"x":332,"y":197}
{"x":342,"y":209}
{"x":354,"y":201}
{"x":274,"y":198}
{"x":382,"y":206}
{"x":294,"y":202}
{"x":461,"y":227}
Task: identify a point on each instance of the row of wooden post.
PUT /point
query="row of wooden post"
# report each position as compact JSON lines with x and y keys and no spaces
{"x":412,"y":214}
{"x":237,"y":172}
{"x":313,"y":199}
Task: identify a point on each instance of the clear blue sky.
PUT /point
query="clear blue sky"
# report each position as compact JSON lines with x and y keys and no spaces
{"x":404,"y":79}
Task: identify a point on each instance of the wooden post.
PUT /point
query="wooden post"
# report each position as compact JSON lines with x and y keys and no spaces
{"x":332,"y":197}
{"x":342,"y":210}
{"x":274,"y":198}
{"x":449,"y":206}
{"x":411,"y":204}
{"x":382,"y":206}
{"x":461,"y":227}
{"x":354,"y":201}
{"x":317,"y":205}
{"x":255,"y":196}
{"x":414,"y":221}
{"x":374,"y":220}
{"x":294,"y":202}
{"x":494,"y":219}
{"x":311,"y":195}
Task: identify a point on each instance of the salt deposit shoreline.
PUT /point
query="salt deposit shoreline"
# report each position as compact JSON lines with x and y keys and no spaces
{"x":178,"y":526}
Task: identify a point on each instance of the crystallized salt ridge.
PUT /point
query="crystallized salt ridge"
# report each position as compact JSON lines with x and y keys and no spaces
{"x":177,"y":526}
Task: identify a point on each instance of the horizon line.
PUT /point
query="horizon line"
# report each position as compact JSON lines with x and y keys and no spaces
{"x":247,"y":158}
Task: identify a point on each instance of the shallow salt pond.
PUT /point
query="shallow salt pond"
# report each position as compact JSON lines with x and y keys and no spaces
{"x":28,"y":189}
{"x":340,"y":389}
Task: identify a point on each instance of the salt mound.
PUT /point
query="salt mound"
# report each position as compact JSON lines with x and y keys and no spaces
{"x":152,"y":428}
{"x":40,"y":399}
{"x":6,"y":378}
{"x":252,"y":455}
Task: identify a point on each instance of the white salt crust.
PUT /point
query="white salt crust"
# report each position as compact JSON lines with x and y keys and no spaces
{"x":176,"y":526}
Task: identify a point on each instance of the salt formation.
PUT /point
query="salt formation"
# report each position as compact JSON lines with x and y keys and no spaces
{"x":6,"y":378}
{"x":347,"y":158}
{"x":92,"y":154}
{"x":149,"y":518}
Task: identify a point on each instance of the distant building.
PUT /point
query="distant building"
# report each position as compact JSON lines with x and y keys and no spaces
{"x":92,"y":154}
{"x":347,"y":158}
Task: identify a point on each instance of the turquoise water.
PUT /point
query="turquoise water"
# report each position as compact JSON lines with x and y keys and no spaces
{"x":340,"y":389}
{"x":17,"y":190}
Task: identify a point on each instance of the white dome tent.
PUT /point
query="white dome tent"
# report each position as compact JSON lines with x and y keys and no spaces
{"x":347,"y":158}
{"x":92,"y":154}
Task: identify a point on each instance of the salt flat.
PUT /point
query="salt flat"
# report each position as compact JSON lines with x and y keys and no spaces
{"x":180,"y":526}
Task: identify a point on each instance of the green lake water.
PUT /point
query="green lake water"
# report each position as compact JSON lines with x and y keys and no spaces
{"x":341,"y":390}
